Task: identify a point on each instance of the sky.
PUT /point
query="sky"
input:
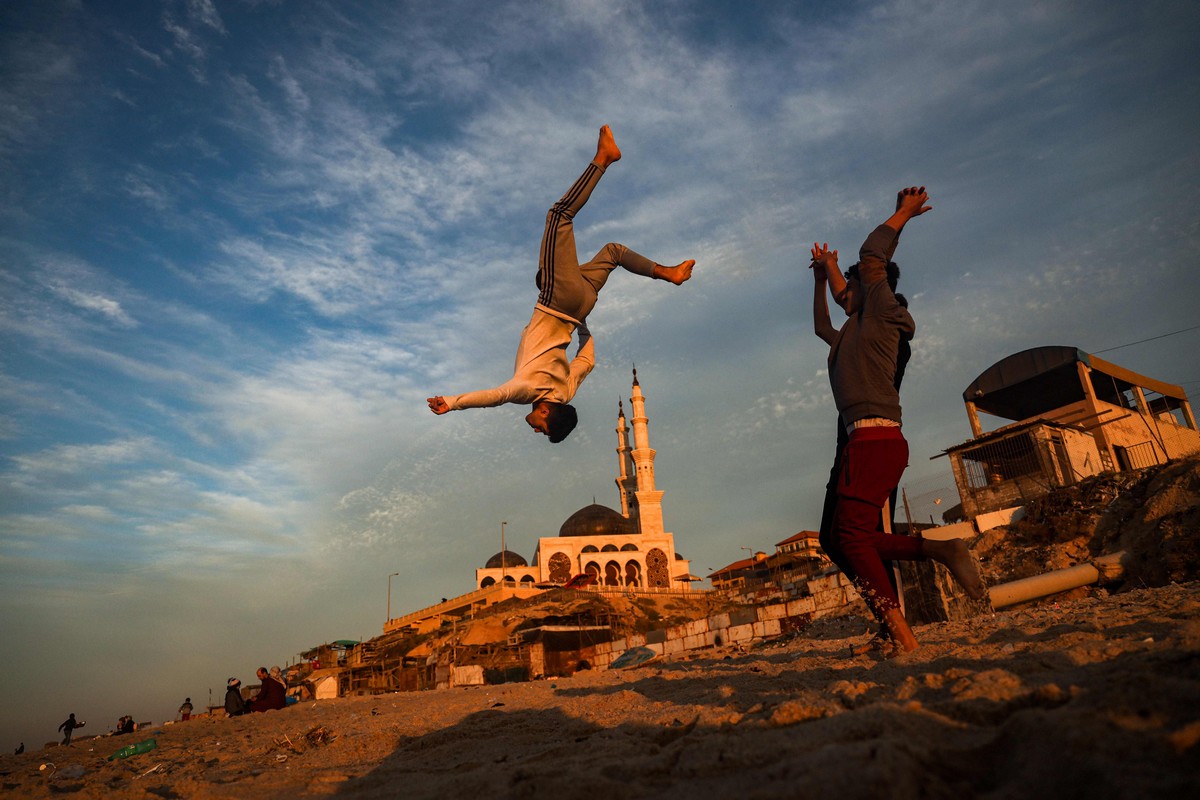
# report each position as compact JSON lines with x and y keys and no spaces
{"x":242,"y":241}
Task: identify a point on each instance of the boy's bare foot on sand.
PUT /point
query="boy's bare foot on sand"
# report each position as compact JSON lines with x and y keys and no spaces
{"x":606,"y":149}
{"x":676,"y":274}
{"x":956,"y":557}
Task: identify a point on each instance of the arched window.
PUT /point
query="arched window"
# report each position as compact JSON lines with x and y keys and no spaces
{"x":486,"y":582}
{"x":560,"y":568}
{"x":527,"y":580}
{"x":657,"y":575}
{"x":633,"y":573}
{"x":612,"y":574}
{"x":593,"y":569}
{"x":629,"y":548}
{"x":608,"y":548}
{"x":589,"y":548}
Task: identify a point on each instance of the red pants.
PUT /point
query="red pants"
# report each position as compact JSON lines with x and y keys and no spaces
{"x":872,"y":464}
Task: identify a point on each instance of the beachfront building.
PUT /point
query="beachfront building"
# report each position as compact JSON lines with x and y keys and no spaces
{"x":600,"y":546}
{"x":796,"y":560}
{"x":1074,"y":415}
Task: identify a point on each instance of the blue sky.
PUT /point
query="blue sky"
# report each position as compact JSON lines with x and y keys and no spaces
{"x":241,"y":242}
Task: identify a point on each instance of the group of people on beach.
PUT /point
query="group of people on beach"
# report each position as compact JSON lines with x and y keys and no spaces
{"x":272,"y":693}
{"x":866,"y":361}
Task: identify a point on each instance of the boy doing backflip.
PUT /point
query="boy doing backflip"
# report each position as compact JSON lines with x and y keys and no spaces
{"x":567,"y":291}
{"x":862,"y":372}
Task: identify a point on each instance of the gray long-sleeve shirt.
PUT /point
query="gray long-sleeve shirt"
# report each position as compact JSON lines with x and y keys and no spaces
{"x":862,"y":360}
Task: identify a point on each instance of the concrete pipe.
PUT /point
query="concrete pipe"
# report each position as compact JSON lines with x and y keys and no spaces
{"x":1060,"y":580}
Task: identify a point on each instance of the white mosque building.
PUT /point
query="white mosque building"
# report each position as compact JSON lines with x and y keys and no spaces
{"x":625,"y":550}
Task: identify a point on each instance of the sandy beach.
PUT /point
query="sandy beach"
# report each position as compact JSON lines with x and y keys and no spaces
{"x":1098,"y":697}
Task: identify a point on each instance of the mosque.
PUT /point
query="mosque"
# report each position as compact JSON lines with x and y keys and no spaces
{"x":597,"y":545}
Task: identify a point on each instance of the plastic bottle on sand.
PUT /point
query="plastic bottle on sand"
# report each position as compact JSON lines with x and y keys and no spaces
{"x":134,"y":749}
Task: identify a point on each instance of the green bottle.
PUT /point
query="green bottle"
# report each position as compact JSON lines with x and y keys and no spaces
{"x":134,"y":749}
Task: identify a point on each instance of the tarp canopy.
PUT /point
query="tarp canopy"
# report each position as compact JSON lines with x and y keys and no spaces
{"x":1043,"y":379}
{"x":1028,"y":383}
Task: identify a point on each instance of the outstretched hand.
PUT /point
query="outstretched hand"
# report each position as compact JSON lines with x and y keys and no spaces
{"x":438,"y":405}
{"x":823,"y":260}
{"x":911,"y":201}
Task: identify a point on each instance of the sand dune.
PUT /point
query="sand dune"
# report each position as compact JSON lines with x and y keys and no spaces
{"x":1098,"y":697}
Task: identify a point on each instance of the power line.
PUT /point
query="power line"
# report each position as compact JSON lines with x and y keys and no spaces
{"x":1143,"y":341}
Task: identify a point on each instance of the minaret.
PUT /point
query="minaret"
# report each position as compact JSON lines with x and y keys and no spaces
{"x":626,"y":481}
{"x":649,"y":500}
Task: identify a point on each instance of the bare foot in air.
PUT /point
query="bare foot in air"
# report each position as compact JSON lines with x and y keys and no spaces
{"x":606,"y":148}
{"x":956,"y":556}
{"x":676,"y":274}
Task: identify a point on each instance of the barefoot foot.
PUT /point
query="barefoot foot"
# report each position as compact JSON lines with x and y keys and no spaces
{"x":897,"y":627}
{"x":676,"y":274}
{"x":607,"y":151}
{"x":956,"y":556}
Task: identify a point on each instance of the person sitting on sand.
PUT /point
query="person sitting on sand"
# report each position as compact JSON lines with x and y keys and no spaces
{"x":862,"y":369}
{"x":272,"y":693}
{"x":235,"y":704}
{"x":542,"y":376}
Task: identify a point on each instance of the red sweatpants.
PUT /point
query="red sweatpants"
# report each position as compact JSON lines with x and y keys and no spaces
{"x":872,"y":464}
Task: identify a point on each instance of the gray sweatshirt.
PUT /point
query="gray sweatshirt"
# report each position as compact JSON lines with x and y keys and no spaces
{"x":862,"y":360}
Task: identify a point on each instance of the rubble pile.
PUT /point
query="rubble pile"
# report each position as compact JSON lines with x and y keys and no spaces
{"x":1152,"y":514}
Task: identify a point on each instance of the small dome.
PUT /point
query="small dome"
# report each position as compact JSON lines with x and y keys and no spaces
{"x":509,"y":559}
{"x":597,"y":520}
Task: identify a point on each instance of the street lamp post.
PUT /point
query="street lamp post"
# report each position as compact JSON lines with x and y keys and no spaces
{"x":389,"y":610}
{"x":503,"y":556}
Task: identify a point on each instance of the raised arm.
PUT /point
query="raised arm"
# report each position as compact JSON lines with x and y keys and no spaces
{"x":879,"y":247}
{"x":821,"y":256}
{"x":910,"y":202}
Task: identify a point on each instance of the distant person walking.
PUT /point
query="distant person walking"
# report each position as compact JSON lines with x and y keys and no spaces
{"x":235,"y":706}
{"x":68,"y":727}
{"x":185,"y":710}
{"x":19,"y":750}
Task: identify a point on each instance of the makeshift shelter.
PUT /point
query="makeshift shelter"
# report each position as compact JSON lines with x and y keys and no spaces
{"x":1075,"y":415}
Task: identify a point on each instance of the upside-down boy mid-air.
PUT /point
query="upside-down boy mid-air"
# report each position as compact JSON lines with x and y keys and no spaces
{"x":543,"y":376}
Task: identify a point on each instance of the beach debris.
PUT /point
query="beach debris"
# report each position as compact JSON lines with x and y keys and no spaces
{"x":156,"y":768}
{"x":134,"y":749}
{"x":319,"y":735}
{"x":633,"y":657}
{"x":287,"y":743}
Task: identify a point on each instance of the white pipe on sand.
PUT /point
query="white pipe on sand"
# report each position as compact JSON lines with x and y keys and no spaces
{"x":1060,"y":580}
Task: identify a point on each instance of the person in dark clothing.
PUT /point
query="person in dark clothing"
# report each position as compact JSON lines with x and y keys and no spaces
{"x":19,"y":750}
{"x":235,"y":706}
{"x":185,"y":710}
{"x":68,"y":727}
{"x":824,"y":329}
{"x":272,"y":693}
{"x":862,"y":370}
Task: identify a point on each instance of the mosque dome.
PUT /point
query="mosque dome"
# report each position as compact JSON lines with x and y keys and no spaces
{"x":597,"y":520}
{"x":509,"y":559}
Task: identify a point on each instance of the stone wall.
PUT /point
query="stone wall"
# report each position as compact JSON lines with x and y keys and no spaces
{"x":827,"y":595}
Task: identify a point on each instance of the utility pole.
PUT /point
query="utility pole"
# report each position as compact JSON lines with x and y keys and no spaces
{"x":389,"y":608}
{"x":503,"y":556}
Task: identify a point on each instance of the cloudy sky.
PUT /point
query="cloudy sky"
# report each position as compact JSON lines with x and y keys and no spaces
{"x":241,"y":241}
